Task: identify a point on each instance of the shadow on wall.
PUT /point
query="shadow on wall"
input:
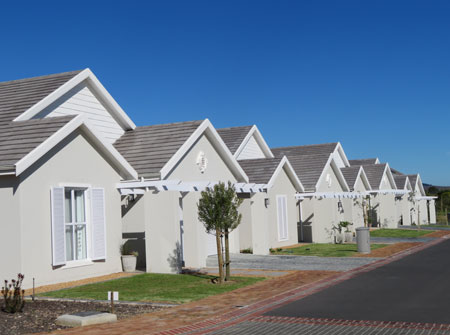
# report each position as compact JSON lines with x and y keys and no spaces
{"x":373,"y":216}
{"x":136,"y":242}
{"x":304,"y":229}
{"x":176,"y":259}
{"x":130,"y":203}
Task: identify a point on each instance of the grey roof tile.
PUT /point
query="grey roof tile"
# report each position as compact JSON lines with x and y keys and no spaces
{"x":17,"y":96}
{"x":234,"y":136}
{"x":400,"y":181}
{"x":374,"y":173}
{"x":365,"y":161}
{"x":260,"y":171}
{"x":149,"y":148}
{"x":351,"y":174}
{"x":19,"y":138}
{"x":312,"y":149}
{"x":413,"y":180}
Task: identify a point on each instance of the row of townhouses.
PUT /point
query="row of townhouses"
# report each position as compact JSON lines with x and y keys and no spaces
{"x":78,"y":178}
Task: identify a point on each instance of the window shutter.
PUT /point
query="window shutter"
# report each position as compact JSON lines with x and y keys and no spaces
{"x":282,"y":217}
{"x":58,"y":227}
{"x":98,"y":224}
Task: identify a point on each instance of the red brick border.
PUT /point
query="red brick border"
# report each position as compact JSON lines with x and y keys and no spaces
{"x":255,"y":311}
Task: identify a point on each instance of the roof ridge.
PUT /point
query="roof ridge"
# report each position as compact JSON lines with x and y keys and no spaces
{"x":54,"y":75}
{"x":305,"y":145}
{"x":168,"y":124}
{"x":236,"y":127}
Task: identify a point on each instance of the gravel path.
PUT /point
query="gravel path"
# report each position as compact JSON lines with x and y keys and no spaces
{"x":40,"y":316}
{"x":282,"y":262}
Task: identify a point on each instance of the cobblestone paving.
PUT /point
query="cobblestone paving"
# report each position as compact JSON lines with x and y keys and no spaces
{"x":282,"y":262}
{"x":267,"y":325}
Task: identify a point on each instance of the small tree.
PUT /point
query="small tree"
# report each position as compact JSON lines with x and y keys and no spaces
{"x":218,"y":211}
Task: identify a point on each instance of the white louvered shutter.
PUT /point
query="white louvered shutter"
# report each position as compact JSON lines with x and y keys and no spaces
{"x":282,"y":217}
{"x":98,"y":224}
{"x":58,"y":227}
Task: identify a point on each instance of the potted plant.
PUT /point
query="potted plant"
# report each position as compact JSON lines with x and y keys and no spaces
{"x":348,"y":235}
{"x":338,"y":236}
{"x":129,"y":258}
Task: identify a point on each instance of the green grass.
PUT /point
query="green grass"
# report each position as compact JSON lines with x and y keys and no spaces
{"x":156,"y":288}
{"x":325,"y":250}
{"x":401,"y":233}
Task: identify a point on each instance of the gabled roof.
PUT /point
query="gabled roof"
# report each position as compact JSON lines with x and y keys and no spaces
{"x":236,"y":138}
{"x":365,"y":161}
{"x":375,"y":174}
{"x":313,"y":149}
{"x":18,"y":139}
{"x":61,"y":87}
{"x":17,"y":96}
{"x":155,"y":150}
{"x":402,"y":182}
{"x":22,"y":143}
{"x":265,"y":171}
{"x":416,"y":181}
{"x":351,"y":175}
{"x":396,"y":172}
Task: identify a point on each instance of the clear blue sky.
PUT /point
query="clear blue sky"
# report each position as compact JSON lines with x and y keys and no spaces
{"x":374,"y":75}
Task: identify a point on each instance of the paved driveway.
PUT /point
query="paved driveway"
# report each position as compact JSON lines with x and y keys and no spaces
{"x":282,"y":262}
{"x":412,"y":289}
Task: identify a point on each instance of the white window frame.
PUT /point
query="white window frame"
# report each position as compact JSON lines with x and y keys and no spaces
{"x":280,"y":238}
{"x":87,"y":214}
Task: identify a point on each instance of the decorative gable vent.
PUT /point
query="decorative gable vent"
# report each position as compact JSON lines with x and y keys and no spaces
{"x":202,"y":161}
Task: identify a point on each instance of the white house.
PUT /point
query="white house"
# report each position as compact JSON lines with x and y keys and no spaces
{"x":60,"y":207}
{"x":423,"y":207}
{"x":359,"y":186}
{"x":403,"y":203}
{"x":175,"y":162}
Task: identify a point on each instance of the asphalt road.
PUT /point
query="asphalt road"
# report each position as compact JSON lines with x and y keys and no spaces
{"x":413,"y":289}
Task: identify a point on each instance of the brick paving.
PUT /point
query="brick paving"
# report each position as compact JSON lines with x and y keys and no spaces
{"x":219,"y":314}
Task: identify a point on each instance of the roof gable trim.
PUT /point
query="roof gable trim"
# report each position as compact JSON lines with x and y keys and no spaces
{"x":97,"y":87}
{"x":337,"y":171}
{"x":284,"y":163}
{"x":254,"y":131}
{"x":207,"y":128}
{"x":52,"y":141}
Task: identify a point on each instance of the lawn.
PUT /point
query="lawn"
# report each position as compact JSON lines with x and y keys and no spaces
{"x":325,"y":250}
{"x":155,"y":288}
{"x":400,"y":233}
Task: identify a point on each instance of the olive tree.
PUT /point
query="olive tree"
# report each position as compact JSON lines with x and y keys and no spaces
{"x":218,"y":212}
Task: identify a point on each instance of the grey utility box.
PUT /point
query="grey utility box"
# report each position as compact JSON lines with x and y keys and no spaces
{"x":363,"y":240}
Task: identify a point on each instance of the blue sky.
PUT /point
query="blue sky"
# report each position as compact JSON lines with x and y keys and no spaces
{"x":374,"y":75}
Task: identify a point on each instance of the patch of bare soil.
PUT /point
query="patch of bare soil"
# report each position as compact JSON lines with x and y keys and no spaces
{"x":40,"y":316}
{"x":390,"y":250}
{"x":438,"y":233}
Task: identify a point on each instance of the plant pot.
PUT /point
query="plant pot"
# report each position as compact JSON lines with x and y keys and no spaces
{"x":348,"y":236}
{"x":339,"y":238}
{"x":129,"y":263}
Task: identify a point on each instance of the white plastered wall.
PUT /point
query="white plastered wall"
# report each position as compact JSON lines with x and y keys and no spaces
{"x":282,"y":186}
{"x":70,"y":163}
{"x":195,"y":237}
{"x":326,"y":214}
{"x":11,"y":244}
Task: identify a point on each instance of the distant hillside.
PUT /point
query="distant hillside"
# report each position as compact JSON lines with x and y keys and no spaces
{"x":440,"y":188}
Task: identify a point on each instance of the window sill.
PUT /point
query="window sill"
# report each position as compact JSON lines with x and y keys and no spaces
{"x":76,"y":264}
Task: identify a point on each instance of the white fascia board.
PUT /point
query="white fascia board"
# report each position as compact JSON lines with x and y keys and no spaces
{"x":284,"y":164}
{"x":254,"y":131}
{"x":146,"y":183}
{"x":377,"y":161}
{"x":66,"y":130}
{"x":337,"y":171}
{"x":99,"y":89}
{"x":388,"y":172}
{"x":341,"y":152}
{"x":363,"y":176}
{"x":419,"y":182}
{"x":408,"y":184}
{"x":10,"y":173}
{"x":205,"y":128}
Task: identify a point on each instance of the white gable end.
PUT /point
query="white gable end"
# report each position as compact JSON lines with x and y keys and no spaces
{"x":251,"y":150}
{"x":81,"y":100}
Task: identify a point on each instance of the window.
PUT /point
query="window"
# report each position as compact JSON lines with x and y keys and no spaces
{"x":282,"y":218}
{"x":75,"y":224}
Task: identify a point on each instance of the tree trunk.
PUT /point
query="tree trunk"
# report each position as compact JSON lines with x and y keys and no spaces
{"x":219,"y":255}
{"x":227,"y":256}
